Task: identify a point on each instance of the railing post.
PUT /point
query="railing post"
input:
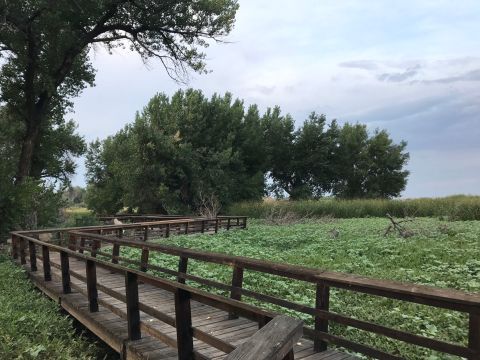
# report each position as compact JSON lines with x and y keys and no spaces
{"x":91,"y":272}
{"x":186,"y":228}
{"x":321,"y":303}
{"x":82,"y":245}
{"x":65,"y":266}
{"x":203,"y":226}
{"x":474,"y":335}
{"x":167,"y":234}
{"x":14,"y":247}
{"x":216,"y":225}
{"x":228,"y":224}
{"x":47,"y":275}
{"x":72,"y":242}
{"x":238,"y":222}
{"x":23,"y":259}
{"x":183,"y":322}
{"x":236,"y":294}
{"x":95,"y":247}
{"x":182,"y":268}
{"x":245,"y":222}
{"x":133,"y":311}
{"x":115,"y":253}
{"x":33,"y":256}
{"x":145,"y":234}
{"x":144,"y":259}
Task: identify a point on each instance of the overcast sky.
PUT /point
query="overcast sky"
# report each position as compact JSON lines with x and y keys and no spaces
{"x":411,"y":67}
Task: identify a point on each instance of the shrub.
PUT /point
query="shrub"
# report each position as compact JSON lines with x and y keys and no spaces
{"x":458,"y":207}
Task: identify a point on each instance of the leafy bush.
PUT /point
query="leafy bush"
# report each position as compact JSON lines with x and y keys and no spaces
{"x":31,"y":326}
{"x":457,"y":207}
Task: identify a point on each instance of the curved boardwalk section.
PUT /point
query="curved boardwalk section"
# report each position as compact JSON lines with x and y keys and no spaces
{"x":147,"y":317}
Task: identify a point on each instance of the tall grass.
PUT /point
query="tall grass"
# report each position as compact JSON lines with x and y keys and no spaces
{"x":458,"y":207}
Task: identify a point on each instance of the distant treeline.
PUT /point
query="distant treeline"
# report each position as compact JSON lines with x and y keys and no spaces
{"x":182,"y":150}
{"x":459,"y":207}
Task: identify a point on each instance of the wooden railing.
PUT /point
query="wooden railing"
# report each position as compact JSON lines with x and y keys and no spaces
{"x":183,"y":295}
{"x":322,"y":280}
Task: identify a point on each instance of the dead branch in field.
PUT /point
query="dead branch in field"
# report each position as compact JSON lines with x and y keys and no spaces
{"x":397,"y":226}
{"x":208,"y":205}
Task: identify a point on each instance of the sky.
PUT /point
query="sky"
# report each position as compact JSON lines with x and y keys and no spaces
{"x":411,"y":67}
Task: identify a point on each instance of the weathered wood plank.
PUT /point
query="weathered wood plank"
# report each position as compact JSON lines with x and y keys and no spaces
{"x":272,"y":342}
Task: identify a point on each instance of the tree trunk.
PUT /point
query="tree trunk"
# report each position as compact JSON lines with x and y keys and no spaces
{"x":28,"y":146}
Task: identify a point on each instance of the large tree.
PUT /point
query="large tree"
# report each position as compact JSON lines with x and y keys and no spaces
{"x":179,"y":151}
{"x":45,"y":46}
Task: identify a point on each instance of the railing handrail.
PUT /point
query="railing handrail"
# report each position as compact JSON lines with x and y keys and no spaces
{"x":122,"y":226}
{"x":445,"y":298}
{"x":248,"y":311}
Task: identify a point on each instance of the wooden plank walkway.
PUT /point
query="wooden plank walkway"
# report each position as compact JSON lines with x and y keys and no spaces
{"x":158,"y":338}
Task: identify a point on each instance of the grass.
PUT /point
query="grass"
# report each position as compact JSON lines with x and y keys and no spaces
{"x":31,"y":326}
{"x":443,"y":254}
{"x":459,"y":207}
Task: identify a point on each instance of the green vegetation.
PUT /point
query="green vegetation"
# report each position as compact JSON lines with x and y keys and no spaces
{"x":45,"y":49}
{"x":458,"y":207}
{"x":31,"y":326}
{"x":182,"y":150}
{"x":443,"y":254}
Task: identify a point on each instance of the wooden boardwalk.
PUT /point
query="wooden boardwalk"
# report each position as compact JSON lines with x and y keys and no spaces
{"x":143,"y":316}
{"x":159,"y":339}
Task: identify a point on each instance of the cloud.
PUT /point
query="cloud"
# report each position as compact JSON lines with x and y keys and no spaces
{"x":473,"y":75}
{"x":342,"y":58}
{"x":399,"y":77}
{"x":360,"y":64}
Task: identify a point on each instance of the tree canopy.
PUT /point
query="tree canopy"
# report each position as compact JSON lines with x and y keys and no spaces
{"x":186,"y":147}
{"x":45,"y":48}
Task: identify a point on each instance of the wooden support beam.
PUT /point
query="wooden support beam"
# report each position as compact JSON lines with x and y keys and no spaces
{"x":183,"y":324}
{"x":182,"y":268}
{"x":322,"y":303}
{"x":115,"y":253}
{"x":82,"y":245}
{"x":145,"y":233}
{"x":274,"y":341}
{"x":167,"y":233}
{"x":14,"y":247}
{"x":23,"y":259}
{"x":47,"y":275}
{"x":133,"y":310}
{"x":33,"y":256}
{"x":216,"y":225}
{"x":91,"y":272}
{"x":474,"y":335}
{"x":237,"y":281}
{"x":65,"y":266}
{"x":144,"y":259}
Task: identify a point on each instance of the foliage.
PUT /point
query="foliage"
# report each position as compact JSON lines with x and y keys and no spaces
{"x":459,"y":207}
{"x":178,"y":151}
{"x":45,"y":48}
{"x":358,"y":246}
{"x":31,"y":326}
{"x":74,"y":195}
{"x":187,"y":146}
{"x":319,"y":159}
{"x":36,"y":200}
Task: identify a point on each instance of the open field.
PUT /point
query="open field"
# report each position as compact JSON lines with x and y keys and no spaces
{"x":443,"y":254}
{"x":459,"y":207}
{"x":31,"y":326}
